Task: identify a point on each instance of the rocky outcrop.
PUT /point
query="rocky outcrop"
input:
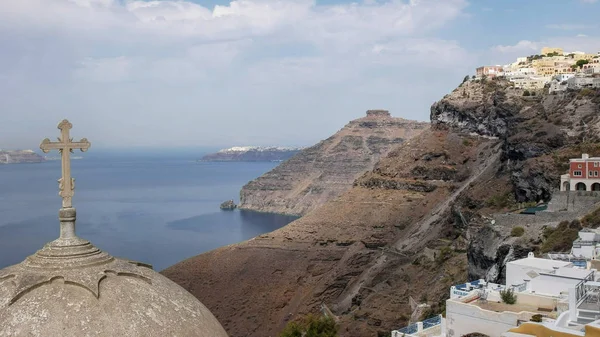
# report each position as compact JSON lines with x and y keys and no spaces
{"x":488,"y":253}
{"x":530,"y":127}
{"x":19,"y":156}
{"x":252,"y":154}
{"x":324,"y":171}
{"x":228,"y":205}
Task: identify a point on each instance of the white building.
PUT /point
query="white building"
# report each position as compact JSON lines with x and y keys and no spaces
{"x":544,"y":276}
{"x":530,"y":82}
{"x":544,"y":288}
{"x":564,"y":77}
{"x":587,"y":245}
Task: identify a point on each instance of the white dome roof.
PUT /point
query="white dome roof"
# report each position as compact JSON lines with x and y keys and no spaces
{"x":71,"y":288}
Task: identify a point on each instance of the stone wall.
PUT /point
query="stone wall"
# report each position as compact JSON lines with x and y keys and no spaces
{"x":580,"y":203}
{"x":573,"y":201}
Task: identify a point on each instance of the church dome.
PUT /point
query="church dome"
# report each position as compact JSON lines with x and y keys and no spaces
{"x":71,"y":288}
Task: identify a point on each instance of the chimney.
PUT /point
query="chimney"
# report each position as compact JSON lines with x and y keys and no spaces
{"x":585,"y":156}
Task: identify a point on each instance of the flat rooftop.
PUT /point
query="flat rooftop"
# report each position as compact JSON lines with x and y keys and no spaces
{"x":536,"y":262}
{"x":575,"y":273}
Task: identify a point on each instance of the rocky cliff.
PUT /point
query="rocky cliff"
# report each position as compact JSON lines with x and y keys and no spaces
{"x":324,"y":171}
{"x":19,"y":156}
{"x":252,"y":154}
{"x":415,"y":224}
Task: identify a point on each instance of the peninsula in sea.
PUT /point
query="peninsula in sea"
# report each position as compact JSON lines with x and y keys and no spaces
{"x":252,"y":154}
{"x":19,"y":156}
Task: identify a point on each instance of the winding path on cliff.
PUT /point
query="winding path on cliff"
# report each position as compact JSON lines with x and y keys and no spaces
{"x":422,"y":231}
{"x":423,"y":227}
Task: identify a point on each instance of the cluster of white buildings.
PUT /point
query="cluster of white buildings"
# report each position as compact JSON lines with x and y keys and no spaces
{"x":553,"y":66}
{"x":554,"y":297}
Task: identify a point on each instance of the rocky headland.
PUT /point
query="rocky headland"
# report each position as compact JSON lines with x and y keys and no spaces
{"x":326,"y":170}
{"x":19,"y":156}
{"x":252,"y":154}
{"x":419,"y":221}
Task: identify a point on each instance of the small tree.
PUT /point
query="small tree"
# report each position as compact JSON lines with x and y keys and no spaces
{"x":580,"y":63}
{"x":536,"y":318}
{"x":466,"y":78}
{"x":508,"y":296}
{"x":526,"y":93}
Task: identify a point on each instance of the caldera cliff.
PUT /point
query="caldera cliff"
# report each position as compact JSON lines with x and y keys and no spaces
{"x":417,"y":223}
{"x":324,"y":171}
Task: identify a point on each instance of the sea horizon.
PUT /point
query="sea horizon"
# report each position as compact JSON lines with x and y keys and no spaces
{"x":157,"y":208}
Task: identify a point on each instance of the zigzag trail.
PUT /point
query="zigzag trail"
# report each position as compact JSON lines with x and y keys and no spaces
{"x":422,"y":231}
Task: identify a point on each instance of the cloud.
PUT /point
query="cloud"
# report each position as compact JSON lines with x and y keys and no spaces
{"x":523,"y":46}
{"x":509,"y":53}
{"x":566,"y":26}
{"x":279,"y":61}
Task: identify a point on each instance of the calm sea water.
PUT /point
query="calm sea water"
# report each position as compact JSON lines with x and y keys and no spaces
{"x":152,"y":209}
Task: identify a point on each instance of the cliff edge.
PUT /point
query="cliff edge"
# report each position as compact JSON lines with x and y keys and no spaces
{"x":324,"y":171}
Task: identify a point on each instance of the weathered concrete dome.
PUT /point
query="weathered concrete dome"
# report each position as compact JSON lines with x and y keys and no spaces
{"x":71,"y":288}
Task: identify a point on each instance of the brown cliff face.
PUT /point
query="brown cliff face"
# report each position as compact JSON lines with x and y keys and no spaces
{"x":341,"y":254}
{"x":324,"y":171}
{"x":406,"y":227}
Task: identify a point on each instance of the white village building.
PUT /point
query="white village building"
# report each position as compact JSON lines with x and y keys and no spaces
{"x":587,"y":245}
{"x":562,"y":298}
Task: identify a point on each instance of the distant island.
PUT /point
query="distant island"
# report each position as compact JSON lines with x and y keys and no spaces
{"x":252,"y":154}
{"x":20,"y":156}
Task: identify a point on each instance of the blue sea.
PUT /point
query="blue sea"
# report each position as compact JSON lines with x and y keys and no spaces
{"x":150,"y":208}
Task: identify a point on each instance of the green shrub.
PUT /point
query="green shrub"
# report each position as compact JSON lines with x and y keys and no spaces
{"x":560,"y":239}
{"x":536,"y":318}
{"x":508,"y":296}
{"x":517,"y":231}
{"x":502,"y":200}
{"x":591,"y":220}
{"x":466,"y":142}
{"x":311,"y":326}
{"x":526,"y":93}
{"x":445,"y":254}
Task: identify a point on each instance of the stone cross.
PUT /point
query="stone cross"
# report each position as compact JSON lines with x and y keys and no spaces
{"x":65,"y":146}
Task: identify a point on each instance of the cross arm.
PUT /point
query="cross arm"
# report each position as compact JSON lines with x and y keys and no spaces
{"x":47,"y":145}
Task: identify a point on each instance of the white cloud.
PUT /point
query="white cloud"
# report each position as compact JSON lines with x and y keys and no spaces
{"x":523,"y":46}
{"x":251,"y":57}
{"x":581,"y":42}
{"x":570,"y":26}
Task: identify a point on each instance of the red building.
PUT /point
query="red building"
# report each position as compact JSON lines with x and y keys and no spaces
{"x":584,"y":175}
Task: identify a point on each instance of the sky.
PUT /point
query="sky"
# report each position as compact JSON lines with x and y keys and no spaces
{"x":214,"y":73}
